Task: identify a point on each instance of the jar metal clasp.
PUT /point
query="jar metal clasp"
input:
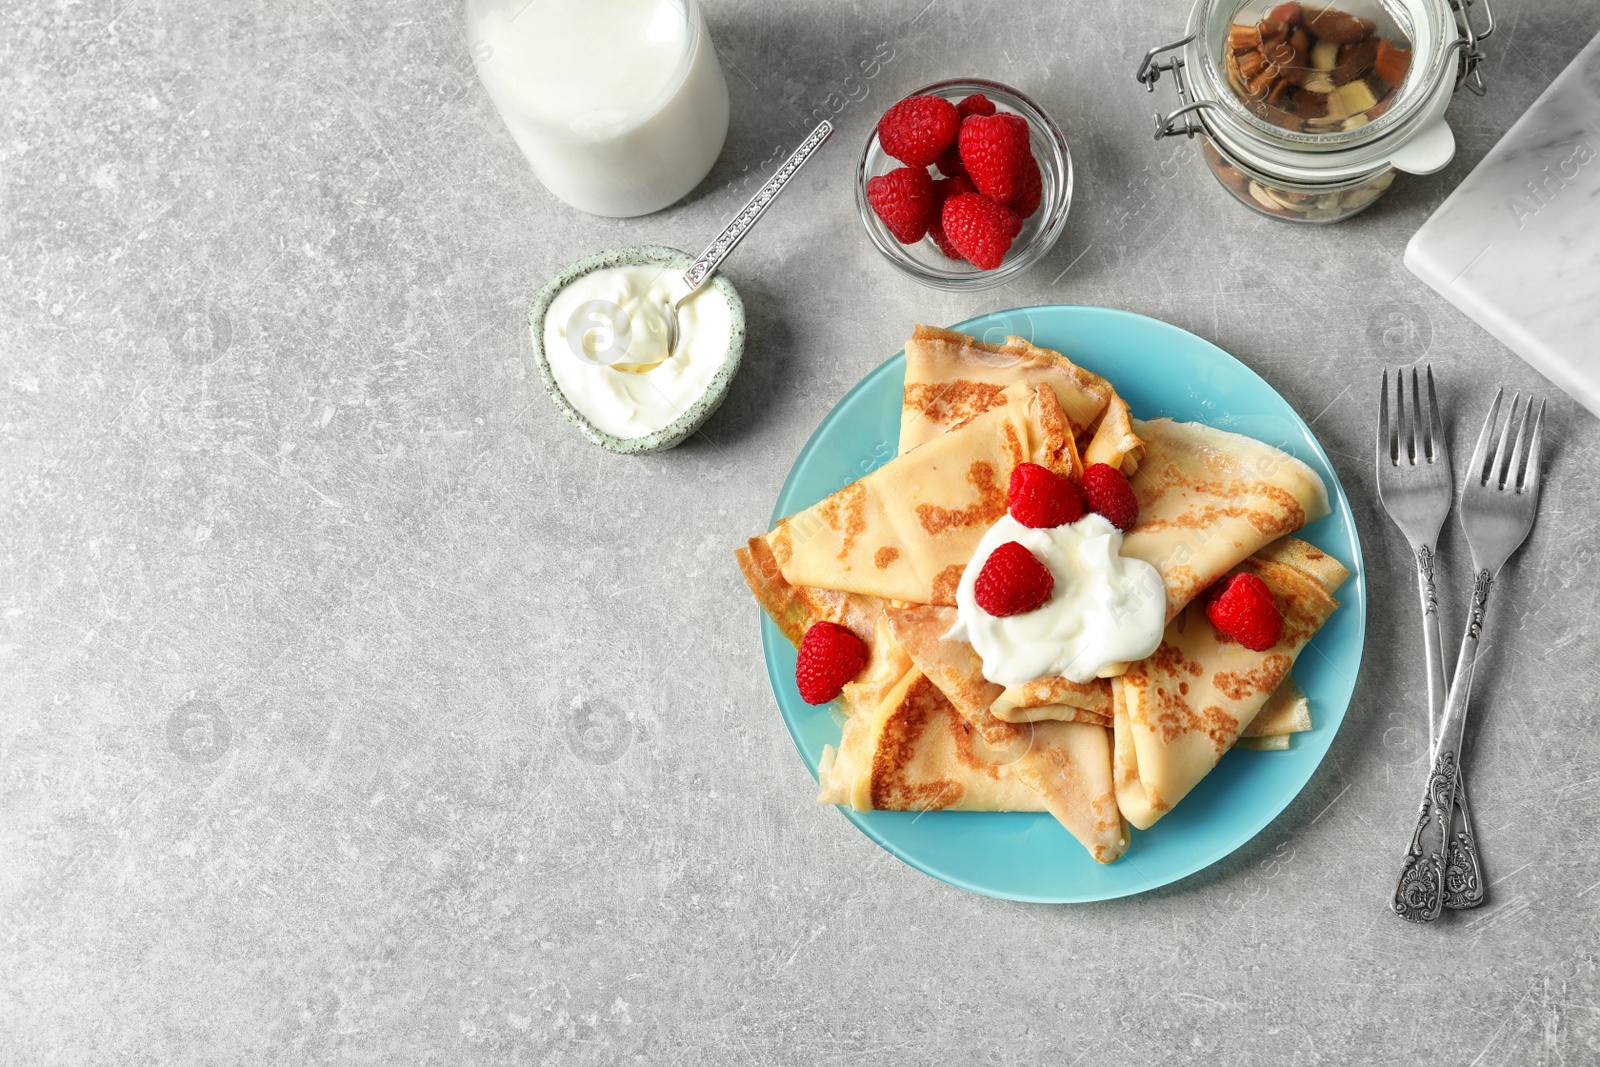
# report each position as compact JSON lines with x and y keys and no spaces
{"x":1150,"y":72}
{"x":1469,"y":74}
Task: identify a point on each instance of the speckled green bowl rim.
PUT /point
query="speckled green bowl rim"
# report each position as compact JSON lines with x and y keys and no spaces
{"x":675,"y":431}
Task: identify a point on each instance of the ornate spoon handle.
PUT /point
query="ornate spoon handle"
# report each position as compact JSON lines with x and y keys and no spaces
{"x":1463,"y":877}
{"x":1420,"y":894}
{"x":735,"y":230}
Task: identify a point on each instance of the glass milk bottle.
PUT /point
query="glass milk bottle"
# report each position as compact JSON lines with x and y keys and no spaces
{"x":619,"y":105}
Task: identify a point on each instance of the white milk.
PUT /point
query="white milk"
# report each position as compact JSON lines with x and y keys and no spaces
{"x":619,"y":105}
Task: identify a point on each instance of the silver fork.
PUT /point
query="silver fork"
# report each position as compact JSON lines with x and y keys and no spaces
{"x":1498,"y":505}
{"x":1416,"y":488}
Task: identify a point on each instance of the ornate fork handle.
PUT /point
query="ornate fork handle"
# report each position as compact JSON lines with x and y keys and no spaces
{"x":1463,"y":877}
{"x":1421,"y":891}
{"x":1441,"y":865}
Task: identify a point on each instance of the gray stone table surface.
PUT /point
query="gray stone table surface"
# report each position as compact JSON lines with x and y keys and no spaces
{"x":354,"y":709}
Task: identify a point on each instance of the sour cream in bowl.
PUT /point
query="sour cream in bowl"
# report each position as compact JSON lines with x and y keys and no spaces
{"x":599,"y":340}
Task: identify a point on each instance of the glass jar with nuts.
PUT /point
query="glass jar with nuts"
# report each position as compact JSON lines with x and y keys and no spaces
{"x":1308,"y":112}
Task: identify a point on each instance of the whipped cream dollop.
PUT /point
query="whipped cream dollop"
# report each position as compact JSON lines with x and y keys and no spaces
{"x":605,"y":337}
{"x":1105,"y":608}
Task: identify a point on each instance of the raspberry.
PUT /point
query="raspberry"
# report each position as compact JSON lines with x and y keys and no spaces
{"x":905,"y":200}
{"x":1108,"y":493}
{"x":945,"y":188}
{"x":917,"y":129}
{"x":979,"y":228}
{"x":1241,"y":607}
{"x":1030,"y":191}
{"x":994,"y":149}
{"x":1012,"y":581}
{"x":949,"y":163}
{"x":976,"y":104}
{"x":830,"y":655}
{"x":936,"y":233}
{"x":1013,"y":223}
{"x":1040,"y":498}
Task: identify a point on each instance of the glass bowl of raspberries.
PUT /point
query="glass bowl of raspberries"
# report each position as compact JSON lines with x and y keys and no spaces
{"x":964,"y":184}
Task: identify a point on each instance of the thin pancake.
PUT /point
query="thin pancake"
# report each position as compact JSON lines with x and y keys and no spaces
{"x":1177,"y":712}
{"x":1060,"y":761}
{"x":916,"y":752}
{"x":795,"y":608}
{"x":951,"y":378}
{"x":913,"y":752}
{"x":1055,"y":698}
{"x":1276,"y":743}
{"x":904,"y":748}
{"x":956,"y":668}
{"x":1209,"y":498}
{"x":1069,"y":766}
{"x":906,"y":531}
{"x":1115,"y":443}
{"x":1287,"y":711}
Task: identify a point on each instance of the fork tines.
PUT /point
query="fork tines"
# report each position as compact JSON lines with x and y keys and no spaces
{"x":1502,"y":470}
{"x":1403,"y":431}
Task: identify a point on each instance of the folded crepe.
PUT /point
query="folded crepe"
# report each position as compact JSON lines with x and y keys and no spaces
{"x":1209,"y":498}
{"x":906,"y":531}
{"x":1045,"y":699}
{"x":1059,"y":759}
{"x":1177,"y":712}
{"x":917,"y":752}
{"x":1275,"y":743}
{"x":1114,"y":442}
{"x":951,"y":378}
{"x":956,"y":668}
{"x":905,"y":747}
{"x":795,"y":608}
{"x":953,"y":665}
{"x":1287,"y":711}
{"x":913,"y":752}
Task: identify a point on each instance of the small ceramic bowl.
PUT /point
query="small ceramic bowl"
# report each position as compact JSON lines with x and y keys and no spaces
{"x":923,"y":260}
{"x":675,"y":431}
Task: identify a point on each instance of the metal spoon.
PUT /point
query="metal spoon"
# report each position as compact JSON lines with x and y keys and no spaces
{"x":734,"y":231}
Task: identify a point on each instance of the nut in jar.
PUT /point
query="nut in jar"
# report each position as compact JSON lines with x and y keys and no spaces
{"x":1300,"y":204}
{"x":1315,"y":69}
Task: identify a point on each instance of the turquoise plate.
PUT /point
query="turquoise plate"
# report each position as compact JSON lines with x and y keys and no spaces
{"x":1160,"y":370}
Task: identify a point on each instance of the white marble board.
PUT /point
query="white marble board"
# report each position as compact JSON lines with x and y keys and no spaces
{"x":1517,"y":245}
